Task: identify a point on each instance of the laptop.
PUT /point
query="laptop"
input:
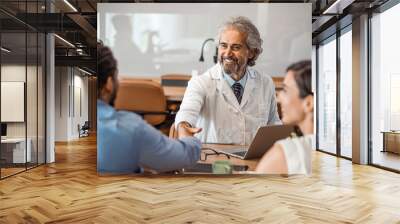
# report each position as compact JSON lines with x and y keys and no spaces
{"x":264,"y":139}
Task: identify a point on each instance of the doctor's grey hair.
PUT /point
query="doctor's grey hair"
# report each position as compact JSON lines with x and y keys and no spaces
{"x":244,"y":25}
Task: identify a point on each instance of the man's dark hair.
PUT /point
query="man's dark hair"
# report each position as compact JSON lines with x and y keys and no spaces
{"x":106,"y":65}
{"x":302,"y":76}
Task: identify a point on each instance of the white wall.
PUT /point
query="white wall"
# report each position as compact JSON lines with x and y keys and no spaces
{"x":81,"y":104}
{"x":71,"y":94}
{"x":33,"y":126}
{"x":12,"y":73}
{"x":155,"y":39}
{"x":61,"y":103}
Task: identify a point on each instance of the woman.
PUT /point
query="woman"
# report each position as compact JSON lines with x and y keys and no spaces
{"x":293,"y":155}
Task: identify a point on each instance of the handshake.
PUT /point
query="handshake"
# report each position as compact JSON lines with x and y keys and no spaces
{"x":186,"y":130}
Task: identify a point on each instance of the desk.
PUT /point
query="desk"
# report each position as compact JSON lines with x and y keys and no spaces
{"x":252,"y":163}
{"x":174,"y":93}
{"x":391,"y":141}
{"x":13,"y":150}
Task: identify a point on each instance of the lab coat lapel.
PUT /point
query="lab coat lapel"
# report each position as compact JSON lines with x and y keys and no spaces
{"x":224,"y":88}
{"x":228,"y":94}
{"x":249,"y":89}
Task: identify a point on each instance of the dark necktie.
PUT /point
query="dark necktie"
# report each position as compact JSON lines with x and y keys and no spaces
{"x":237,"y":90}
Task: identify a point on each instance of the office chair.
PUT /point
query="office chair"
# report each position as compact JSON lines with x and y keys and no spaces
{"x":144,"y":97}
{"x":84,"y":129}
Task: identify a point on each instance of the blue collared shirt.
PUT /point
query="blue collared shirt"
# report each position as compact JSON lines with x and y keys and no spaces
{"x":125,"y":143}
{"x":231,"y":81}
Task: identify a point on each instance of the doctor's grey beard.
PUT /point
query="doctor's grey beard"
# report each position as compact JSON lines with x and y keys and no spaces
{"x":227,"y":69}
{"x":232,"y":73}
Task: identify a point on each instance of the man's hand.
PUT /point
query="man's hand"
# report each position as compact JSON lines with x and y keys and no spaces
{"x":186,"y":130}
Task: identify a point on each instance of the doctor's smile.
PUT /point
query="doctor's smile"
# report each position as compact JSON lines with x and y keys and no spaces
{"x":230,"y":64}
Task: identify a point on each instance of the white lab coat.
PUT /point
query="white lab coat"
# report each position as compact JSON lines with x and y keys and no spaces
{"x":210,"y":103}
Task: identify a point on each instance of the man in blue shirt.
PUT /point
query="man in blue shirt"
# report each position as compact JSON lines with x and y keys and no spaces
{"x":125,"y":142}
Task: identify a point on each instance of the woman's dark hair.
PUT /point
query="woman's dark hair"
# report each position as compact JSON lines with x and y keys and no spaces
{"x":106,"y":65}
{"x":302,"y":76}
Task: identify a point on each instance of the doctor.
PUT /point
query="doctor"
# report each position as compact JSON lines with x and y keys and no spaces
{"x":231,"y":100}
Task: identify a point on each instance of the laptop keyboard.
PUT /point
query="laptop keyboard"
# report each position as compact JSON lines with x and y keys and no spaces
{"x":242,"y":153}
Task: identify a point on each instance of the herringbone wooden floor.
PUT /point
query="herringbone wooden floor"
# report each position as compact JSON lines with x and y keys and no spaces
{"x":70,"y":191}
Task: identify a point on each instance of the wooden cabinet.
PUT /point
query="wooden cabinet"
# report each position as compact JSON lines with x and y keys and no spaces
{"x":391,"y":141}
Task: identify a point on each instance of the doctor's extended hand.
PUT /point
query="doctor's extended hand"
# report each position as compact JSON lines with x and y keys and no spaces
{"x":186,"y":130}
